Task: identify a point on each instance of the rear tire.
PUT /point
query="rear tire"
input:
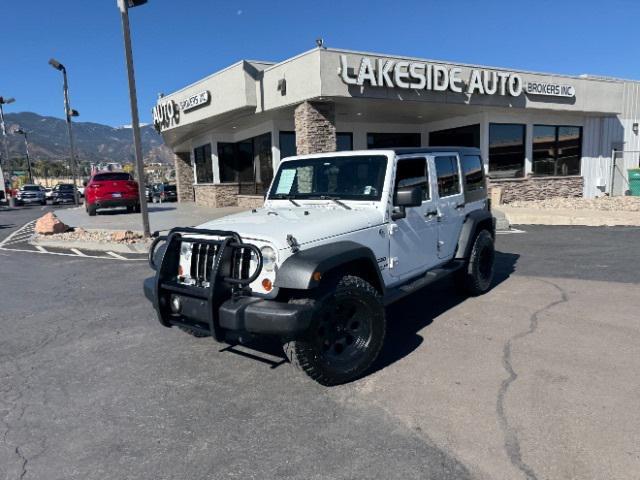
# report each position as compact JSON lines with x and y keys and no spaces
{"x":346,"y":335}
{"x":91,"y":210}
{"x":476,"y":277}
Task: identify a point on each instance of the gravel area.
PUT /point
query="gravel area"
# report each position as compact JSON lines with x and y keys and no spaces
{"x":612,"y":204}
{"x":99,"y":236}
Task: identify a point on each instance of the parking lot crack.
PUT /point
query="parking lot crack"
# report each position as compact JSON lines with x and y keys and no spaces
{"x":511,"y":441}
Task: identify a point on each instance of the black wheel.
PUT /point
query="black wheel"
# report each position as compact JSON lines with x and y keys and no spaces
{"x":136,"y":208}
{"x":193,"y":333}
{"x":130,"y":209}
{"x":346,"y":335}
{"x":476,"y":277}
{"x":91,"y":210}
{"x":43,"y":202}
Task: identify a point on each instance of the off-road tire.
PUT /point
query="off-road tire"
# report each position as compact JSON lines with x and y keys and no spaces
{"x":193,"y":333}
{"x":365,"y":329}
{"x":91,"y":210}
{"x":476,"y":276}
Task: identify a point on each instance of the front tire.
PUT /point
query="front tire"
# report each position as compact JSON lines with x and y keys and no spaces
{"x":346,"y":335}
{"x":91,"y":210}
{"x":477,"y":275}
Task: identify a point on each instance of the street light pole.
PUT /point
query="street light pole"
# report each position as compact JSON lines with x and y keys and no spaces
{"x":133,"y":98}
{"x":20,"y":131}
{"x":4,"y":101}
{"x":68,"y":114}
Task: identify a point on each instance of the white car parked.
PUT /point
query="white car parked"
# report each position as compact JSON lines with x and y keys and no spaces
{"x":340,"y":236}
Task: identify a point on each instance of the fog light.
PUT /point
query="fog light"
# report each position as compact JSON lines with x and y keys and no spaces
{"x":175,"y":304}
{"x":267,"y":285}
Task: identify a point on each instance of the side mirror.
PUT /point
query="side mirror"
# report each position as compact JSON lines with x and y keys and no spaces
{"x":406,"y":197}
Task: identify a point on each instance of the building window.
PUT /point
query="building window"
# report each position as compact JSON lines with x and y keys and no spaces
{"x":412,"y":172}
{"x":393,"y":140}
{"x":448,"y":175}
{"x":472,"y":171}
{"x":557,"y":150}
{"x":344,"y":141}
{"x":506,"y":150}
{"x":287,"y":144}
{"x":240,"y":163}
{"x":467,"y":136}
{"x":204,"y":164}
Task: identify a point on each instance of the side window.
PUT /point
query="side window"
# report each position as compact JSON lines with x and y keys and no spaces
{"x":448,"y":175}
{"x":412,"y":172}
{"x":472,"y":171}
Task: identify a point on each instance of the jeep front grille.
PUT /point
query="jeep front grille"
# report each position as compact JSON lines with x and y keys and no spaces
{"x":203,"y":256}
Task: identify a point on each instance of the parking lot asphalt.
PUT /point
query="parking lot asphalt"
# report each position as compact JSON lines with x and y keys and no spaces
{"x":536,"y":379}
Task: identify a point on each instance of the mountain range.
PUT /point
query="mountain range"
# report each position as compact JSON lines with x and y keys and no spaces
{"x":49,"y":140}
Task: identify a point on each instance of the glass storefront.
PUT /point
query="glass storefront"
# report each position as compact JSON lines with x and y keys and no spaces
{"x":393,"y":140}
{"x":467,"y":136}
{"x":204,"y":164}
{"x":344,"y":142}
{"x":557,"y":150}
{"x":506,"y":150}
{"x":241,"y":161}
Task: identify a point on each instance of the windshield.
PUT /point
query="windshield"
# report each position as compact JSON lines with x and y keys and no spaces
{"x":169,"y":188}
{"x":101,"y":177}
{"x":65,"y":187}
{"x":358,"y":177}
{"x":31,"y":188}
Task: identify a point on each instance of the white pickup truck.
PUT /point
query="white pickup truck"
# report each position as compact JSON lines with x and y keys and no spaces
{"x":340,"y":236}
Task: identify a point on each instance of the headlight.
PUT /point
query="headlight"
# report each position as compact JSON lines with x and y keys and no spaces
{"x":185,"y":250}
{"x":269,"y":258}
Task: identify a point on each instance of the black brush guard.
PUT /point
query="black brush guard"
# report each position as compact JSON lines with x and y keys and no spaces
{"x":221,"y":300}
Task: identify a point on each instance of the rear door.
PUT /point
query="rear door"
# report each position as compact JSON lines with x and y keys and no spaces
{"x":450,"y":202}
{"x":413,"y":239}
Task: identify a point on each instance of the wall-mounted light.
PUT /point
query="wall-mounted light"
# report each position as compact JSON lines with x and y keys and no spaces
{"x":635,"y":128}
{"x":282,"y":86}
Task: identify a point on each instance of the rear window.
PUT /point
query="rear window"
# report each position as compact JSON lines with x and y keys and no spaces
{"x":31,"y":188}
{"x":111,"y":176}
{"x":169,"y":188}
{"x":65,"y":187}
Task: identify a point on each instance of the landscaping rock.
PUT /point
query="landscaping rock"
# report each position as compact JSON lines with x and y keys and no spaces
{"x":49,"y":224}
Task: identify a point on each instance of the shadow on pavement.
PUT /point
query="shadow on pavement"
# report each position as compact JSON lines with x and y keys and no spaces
{"x":417,"y":311}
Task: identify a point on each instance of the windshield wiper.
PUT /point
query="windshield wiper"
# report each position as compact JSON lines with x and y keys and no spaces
{"x":335,"y":200}
{"x":290,"y":198}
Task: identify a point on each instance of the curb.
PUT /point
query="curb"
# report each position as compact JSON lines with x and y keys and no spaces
{"x":95,"y":246}
{"x":577,"y":218}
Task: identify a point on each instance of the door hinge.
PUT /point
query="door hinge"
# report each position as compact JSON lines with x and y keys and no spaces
{"x":393,"y":261}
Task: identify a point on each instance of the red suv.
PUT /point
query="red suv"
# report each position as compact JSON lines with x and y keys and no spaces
{"x":111,"y":189}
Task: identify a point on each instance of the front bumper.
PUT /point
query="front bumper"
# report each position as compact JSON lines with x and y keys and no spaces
{"x":225,"y":304}
{"x":239,"y":314}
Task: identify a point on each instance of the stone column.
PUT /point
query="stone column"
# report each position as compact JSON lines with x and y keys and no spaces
{"x":184,"y":176}
{"x":315,"y":127}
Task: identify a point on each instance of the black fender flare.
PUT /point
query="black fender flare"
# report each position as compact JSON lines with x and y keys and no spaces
{"x":475,"y":220}
{"x":297,"y":271}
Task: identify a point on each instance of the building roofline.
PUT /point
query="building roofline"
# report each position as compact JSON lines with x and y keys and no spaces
{"x":473,"y":65}
{"x":239,"y":62}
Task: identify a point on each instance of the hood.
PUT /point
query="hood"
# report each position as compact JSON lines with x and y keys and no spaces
{"x":306,"y":224}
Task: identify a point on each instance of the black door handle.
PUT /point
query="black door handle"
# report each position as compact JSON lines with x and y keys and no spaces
{"x":460,"y":206}
{"x":431,"y":213}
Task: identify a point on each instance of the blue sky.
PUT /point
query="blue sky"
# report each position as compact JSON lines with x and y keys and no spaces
{"x":179,"y":41}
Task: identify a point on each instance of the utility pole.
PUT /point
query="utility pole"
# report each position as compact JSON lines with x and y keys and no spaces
{"x":20,"y":131}
{"x":68,"y":114}
{"x":4,"y":101}
{"x":124,"y":5}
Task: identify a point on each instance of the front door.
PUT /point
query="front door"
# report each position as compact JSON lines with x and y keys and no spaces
{"x":413,"y":239}
{"x":450,"y":203}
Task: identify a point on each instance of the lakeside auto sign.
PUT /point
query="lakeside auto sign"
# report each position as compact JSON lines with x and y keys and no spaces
{"x":428,"y":76}
{"x":167,"y":114}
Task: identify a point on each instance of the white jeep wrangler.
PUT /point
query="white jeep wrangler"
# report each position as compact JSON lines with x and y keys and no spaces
{"x":340,"y":236}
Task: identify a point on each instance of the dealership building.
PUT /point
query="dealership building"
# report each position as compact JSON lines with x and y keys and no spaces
{"x":541,"y":135}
